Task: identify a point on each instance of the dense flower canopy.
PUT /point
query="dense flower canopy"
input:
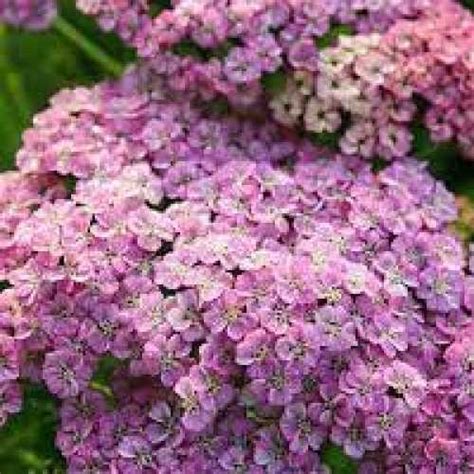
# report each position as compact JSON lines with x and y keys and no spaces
{"x":262,"y":296}
{"x":209,"y":23}
{"x":367,"y":70}
{"x":32,"y":14}
{"x":258,"y":298}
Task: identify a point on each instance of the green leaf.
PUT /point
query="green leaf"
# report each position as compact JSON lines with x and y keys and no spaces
{"x":157,"y":6}
{"x":333,"y":457}
{"x":331,"y":37}
{"x":379,"y":164}
{"x":27,"y":440}
{"x":464,"y":225}
{"x":218,"y":107}
{"x":188,"y":48}
{"x":101,"y":380}
{"x":422,"y":143}
{"x":445,"y":162}
{"x":330,"y":140}
{"x":274,"y":83}
{"x":222,"y":51}
{"x":105,"y":369}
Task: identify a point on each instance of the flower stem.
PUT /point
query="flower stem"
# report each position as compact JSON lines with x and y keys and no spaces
{"x":12,"y":82}
{"x":93,"y":51}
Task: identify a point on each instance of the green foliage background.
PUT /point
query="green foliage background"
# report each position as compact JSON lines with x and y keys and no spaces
{"x":74,"y":52}
{"x":34,"y":65}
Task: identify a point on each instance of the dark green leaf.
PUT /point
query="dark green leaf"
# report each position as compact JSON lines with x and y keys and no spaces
{"x":157,"y":6}
{"x":27,"y":440}
{"x":101,"y":380}
{"x":445,"y":162}
{"x":333,"y":457}
{"x":327,"y":139}
{"x":331,"y":37}
{"x":188,"y":48}
{"x":379,"y":164}
{"x":274,"y":82}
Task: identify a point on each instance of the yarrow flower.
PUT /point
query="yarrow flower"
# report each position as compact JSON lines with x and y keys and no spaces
{"x":366,"y":71}
{"x":267,"y":28}
{"x":30,"y":14}
{"x":259,"y":299}
{"x":377,"y":79}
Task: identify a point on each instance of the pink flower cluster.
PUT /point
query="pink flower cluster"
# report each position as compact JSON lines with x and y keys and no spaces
{"x":368,"y":87}
{"x":31,"y":14}
{"x":261,"y":298}
{"x":209,"y":23}
{"x":19,"y":195}
{"x":403,"y":62}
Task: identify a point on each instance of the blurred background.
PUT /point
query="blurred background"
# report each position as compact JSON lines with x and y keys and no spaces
{"x":33,"y":66}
